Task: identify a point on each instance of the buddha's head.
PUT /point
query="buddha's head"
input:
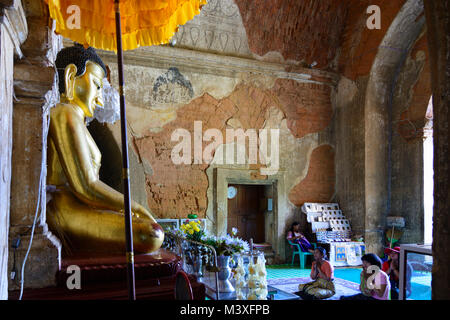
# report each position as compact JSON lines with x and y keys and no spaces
{"x":81,"y":73}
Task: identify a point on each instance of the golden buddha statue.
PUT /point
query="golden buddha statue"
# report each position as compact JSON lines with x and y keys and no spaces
{"x":83,"y":211}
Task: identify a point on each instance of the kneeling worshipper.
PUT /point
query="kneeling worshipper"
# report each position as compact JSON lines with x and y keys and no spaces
{"x":322,"y":272}
{"x":392,"y":269}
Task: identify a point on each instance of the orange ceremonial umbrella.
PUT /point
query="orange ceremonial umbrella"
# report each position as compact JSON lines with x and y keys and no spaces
{"x":118,"y":25}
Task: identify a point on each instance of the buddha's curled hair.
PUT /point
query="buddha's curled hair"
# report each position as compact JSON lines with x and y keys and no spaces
{"x":77,"y":55}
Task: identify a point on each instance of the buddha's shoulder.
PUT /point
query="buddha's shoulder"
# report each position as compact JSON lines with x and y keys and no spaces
{"x":64,"y":111}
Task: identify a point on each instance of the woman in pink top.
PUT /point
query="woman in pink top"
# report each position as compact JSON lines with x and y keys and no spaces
{"x":294,"y":235}
{"x":375,"y":283}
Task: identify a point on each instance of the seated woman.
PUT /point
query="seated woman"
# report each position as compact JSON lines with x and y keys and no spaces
{"x":294,"y":235}
{"x":322,"y":272}
{"x":374,"y":282}
{"x":392,"y":269}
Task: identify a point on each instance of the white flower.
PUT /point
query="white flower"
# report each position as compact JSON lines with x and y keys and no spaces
{"x":228,"y":239}
{"x":240,"y":270}
{"x":252,"y":269}
{"x":262,"y":273}
{"x":240,"y":284}
{"x":234,"y":231}
{"x":252,"y":284}
{"x":253,"y":277}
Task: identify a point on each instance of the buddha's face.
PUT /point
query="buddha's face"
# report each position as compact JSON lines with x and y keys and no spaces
{"x":87,"y":88}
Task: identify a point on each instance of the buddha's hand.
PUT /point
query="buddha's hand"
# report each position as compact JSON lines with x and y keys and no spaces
{"x":139,"y":211}
{"x":148,"y":235}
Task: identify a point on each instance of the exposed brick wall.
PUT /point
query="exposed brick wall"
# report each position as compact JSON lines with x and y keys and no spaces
{"x":359,"y":44}
{"x":176,"y":190}
{"x":306,"y":30}
{"x":329,"y":32}
{"x":307,"y":106}
{"x":319,"y":183}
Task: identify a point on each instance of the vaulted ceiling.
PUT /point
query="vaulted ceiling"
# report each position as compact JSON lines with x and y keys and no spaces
{"x":307,"y":30}
{"x":332,"y":33}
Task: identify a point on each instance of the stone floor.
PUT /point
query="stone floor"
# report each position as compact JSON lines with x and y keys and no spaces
{"x":421,"y":289}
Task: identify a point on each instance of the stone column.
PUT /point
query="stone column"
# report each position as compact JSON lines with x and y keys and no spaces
{"x":376,"y":163}
{"x":438,"y":24}
{"x":34,"y":87}
{"x":402,"y":33}
{"x":13,"y":31}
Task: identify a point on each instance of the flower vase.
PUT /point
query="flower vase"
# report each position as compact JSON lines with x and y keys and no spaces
{"x":224,"y":274}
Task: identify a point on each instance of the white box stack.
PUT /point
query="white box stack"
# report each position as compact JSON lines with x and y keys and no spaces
{"x":325,"y":216}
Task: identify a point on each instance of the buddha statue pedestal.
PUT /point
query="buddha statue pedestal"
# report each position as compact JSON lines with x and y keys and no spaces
{"x":104,"y":277}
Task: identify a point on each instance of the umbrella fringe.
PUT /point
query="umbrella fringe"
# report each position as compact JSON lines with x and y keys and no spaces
{"x":94,"y":32}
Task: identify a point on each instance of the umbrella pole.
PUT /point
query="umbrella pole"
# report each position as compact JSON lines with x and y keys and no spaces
{"x":126,"y":172}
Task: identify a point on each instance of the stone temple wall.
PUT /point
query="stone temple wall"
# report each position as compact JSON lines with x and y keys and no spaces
{"x":13,"y":31}
{"x":6,"y":86}
{"x":224,"y":70}
{"x":34,"y":86}
{"x":223,"y":87}
{"x":381,"y":102}
{"x":161,"y":101}
{"x":438,"y":23}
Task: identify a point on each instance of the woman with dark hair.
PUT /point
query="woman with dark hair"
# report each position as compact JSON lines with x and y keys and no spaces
{"x":322,"y":273}
{"x":374,"y":282}
{"x":295,"y":236}
{"x":392,"y":269}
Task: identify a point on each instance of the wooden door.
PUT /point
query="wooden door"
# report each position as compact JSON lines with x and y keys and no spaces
{"x":246,"y":213}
